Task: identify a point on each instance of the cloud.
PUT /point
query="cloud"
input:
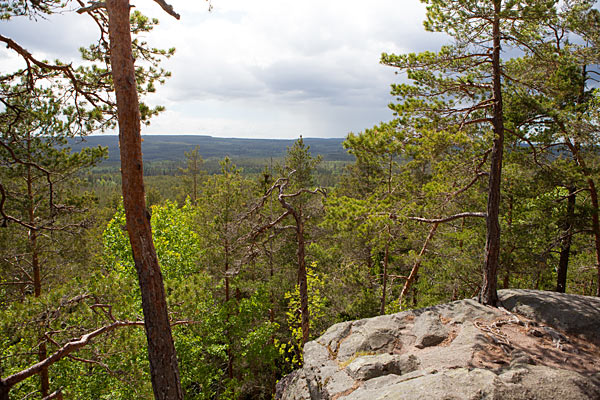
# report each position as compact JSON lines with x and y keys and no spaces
{"x":57,"y":36}
{"x":268,"y":68}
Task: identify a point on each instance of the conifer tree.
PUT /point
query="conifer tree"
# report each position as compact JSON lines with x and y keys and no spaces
{"x":193,"y":172}
{"x":37,"y":174}
{"x":553,"y":105}
{"x":459,"y":89}
{"x":164,"y":369}
{"x":88,"y":91}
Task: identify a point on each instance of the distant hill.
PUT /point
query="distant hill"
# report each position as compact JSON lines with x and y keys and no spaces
{"x":171,"y":147}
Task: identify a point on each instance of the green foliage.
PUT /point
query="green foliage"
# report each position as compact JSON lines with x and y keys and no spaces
{"x":118,"y":365}
{"x":177,"y":245}
{"x":317,"y":303}
{"x":299,"y":160}
{"x":429,"y":162}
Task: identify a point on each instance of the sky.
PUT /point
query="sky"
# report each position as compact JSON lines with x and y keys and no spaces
{"x":260,"y":68}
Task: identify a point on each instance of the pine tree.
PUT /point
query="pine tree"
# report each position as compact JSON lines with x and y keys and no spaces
{"x":459,"y":89}
{"x":38,"y":173}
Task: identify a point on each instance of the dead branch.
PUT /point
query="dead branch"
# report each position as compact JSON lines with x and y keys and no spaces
{"x":168,"y":8}
{"x":301,"y":191}
{"x":253,"y":235}
{"x":63,"y":352}
{"x":106,"y":310}
{"x":54,"y":395}
{"x":417,"y":264}
{"x":450,"y":218}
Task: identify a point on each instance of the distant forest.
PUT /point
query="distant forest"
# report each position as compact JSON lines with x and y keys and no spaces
{"x":171,"y":147}
{"x":164,"y":154}
{"x":235,"y":253}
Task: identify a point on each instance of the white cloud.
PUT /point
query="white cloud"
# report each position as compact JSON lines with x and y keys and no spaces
{"x":267,"y":68}
{"x":58,"y":36}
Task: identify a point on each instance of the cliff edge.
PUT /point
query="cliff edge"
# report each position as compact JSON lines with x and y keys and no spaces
{"x":538,"y":345}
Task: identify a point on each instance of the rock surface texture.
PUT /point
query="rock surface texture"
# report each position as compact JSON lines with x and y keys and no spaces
{"x":539,"y":345}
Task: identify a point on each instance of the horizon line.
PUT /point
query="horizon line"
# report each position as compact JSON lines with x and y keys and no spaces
{"x":214,"y":137}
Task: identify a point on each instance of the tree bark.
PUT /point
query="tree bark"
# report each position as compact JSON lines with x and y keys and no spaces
{"x":161,"y":350}
{"x":574,"y":148}
{"x":386,"y":259}
{"x":302,"y":279}
{"x":412,"y":277}
{"x":226,"y":248}
{"x":565,"y":248}
{"x":489,"y":294}
{"x":37,"y":274}
{"x":4,"y":391}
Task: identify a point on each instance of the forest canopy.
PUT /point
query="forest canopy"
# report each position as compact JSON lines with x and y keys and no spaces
{"x":484,"y":177}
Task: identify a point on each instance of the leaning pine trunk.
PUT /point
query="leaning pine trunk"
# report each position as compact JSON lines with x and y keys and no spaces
{"x":161,"y":351}
{"x":412,"y":277}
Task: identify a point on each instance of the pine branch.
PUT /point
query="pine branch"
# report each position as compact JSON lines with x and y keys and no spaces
{"x":94,"y":5}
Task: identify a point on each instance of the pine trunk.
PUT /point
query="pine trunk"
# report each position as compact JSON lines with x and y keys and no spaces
{"x":596,"y":229}
{"x":412,"y":277}
{"x":161,"y":350}
{"x":489,"y":294}
{"x":37,"y":275}
{"x":565,"y":248}
{"x":386,"y":259}
{"x":302,"y":279}
{"x":4,"y":391}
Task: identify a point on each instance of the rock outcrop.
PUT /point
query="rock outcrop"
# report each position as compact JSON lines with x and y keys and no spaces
{"x":541,"y":345}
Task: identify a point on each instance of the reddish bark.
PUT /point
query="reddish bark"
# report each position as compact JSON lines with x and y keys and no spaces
{"x":164,"y":370}
{"x":302,"y":279}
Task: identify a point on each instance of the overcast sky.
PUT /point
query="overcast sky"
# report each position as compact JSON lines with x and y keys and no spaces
{"x":260,"y":68}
